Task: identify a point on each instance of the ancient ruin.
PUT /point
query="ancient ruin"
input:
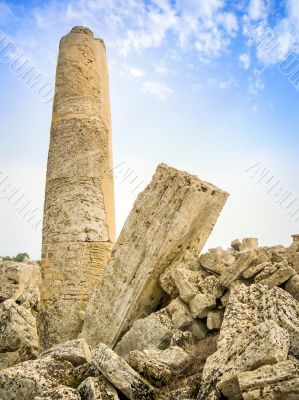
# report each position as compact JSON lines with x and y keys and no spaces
{"x":154,"y":319}
{"x":79,"y":222}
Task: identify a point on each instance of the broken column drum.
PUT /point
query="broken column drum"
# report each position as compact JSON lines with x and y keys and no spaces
{"x":79,"y":221}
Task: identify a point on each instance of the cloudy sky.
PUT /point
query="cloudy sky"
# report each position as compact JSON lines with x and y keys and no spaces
{"x":210,"y":87}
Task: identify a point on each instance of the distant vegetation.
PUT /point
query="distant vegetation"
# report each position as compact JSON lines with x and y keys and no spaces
{"x":18,"y":258}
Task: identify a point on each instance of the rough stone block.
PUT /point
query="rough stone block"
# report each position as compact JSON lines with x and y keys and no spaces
{"x":201,"y":304}
{"x":121,"y":375}
{"x":216,"y":260}
{"x":97,"y":389}
{"x":214,"y":319}
{"x":175,"y":213}
{"x":292,"y":286}
{"x":180,"y":314}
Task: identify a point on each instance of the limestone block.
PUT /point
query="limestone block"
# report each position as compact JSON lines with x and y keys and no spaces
{"x":9,"y":359}
{"x":59,"y":393}
{"x":293,"y":260}
{"x":33,"y":378}
{"x":292,"y":286}
{"x":211,"y":286}
{"x":266,"y":343}
{"x":180,"y":314}
{"x":249,"y":306}
{"x":255,"y":269}
{"x":147,"y":333}
{"x":18,"y":331}
{"x":189,"y":263}
{"x":281,"y":274}
{"x":97,"y":389}
{"x":150,"y":367}
{"x":121,"y":375}
{"x":243,"y":262}
{"x":175,"y":213}
{"x":214,"y":319}
{"x":269,"y":381}
{"x":216,"y":260}
{"x":76,"y":352}
{"x":160,"y":365}
{"x":236,"y":244}
{"x":201,"y":304}
{"x":198,"y":329}
{"x":249,"y":244}
{"x":20,"y":281}
{"x":186,"y":282}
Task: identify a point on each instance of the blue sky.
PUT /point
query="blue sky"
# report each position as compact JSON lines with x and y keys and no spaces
{"x":210,"y":87}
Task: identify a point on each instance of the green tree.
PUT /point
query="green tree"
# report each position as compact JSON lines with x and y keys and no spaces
{"x":20,"y":257}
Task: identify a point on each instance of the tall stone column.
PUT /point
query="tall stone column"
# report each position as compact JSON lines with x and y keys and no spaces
{"x":79,"y":221}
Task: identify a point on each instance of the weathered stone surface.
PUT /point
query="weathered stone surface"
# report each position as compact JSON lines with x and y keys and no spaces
{"x":186,"y":282}
{"x":180,"y":314}
{"x":79,"y":204}
{"x":20,"y":282}
{"x":97,"y":389}
{"x":249,"y":244}
{"x":9,"y":359}
{"x":245,"y":260}
{"x":121,"y":375}
{"x":266,"y":343}
{"x":33,"y":378}
{"x":76,"y":352}
{"x":235,"y":244}
{"x":60,"y":393}
{"x":175,"y":213}
{"x":282,"y":273}
{"x":292,"y":286}
{"x":277,"y":381}
{"x":214,"y":319}
{"x":216,"y":260}
{"x":18,"y":331}
{"x":147,"y":333}
{"x":255,"y":269}
{"x":249,"y":306}
{"x":201,"y":304}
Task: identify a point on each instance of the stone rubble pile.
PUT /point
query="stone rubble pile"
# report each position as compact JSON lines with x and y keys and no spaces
{"x":164,"y":323}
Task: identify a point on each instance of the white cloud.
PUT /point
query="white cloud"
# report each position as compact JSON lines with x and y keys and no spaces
{"x":136,"y":72}
{"x":157,"y":89}
{"x":245,"y":60}
{"x":257,"y":9}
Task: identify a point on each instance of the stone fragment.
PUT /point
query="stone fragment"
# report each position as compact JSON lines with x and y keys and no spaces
{"x":236,"y":244}
{"x":20,"y":282}
{"x":160,"y":365}
{"x":255,"y":269}
{"x":121,"y":375}
{"x":147,"y":333}
{"x":9,"y":359}
{"x":211,"y":286}
{"x":216,"y":260}
{"x":198,"y":329}
{"x":249,"y":244}
{"x":175,"y":213}
{"x":60,"y":393}
{"x":214,"y":319}
{"x":243,"y":262}
{"x":293,"y":260}
{"x":189,"y":265}
{"x":282,"y":273}
{"x":97,"y":389}
{"x":224,"y":299}
{"x":33,"y":378}
{"x":250,"y":306}
{"x":292,"y":286}
{"x":75,"y":351}
{"x":276,"y":381}
{"x":185,"y":340}
{"x":180,"y":314}
{"x":266,"y":343}
{"x":78,"y":225}
{"x":18,"y":331}
{"x":201,"y":304}
{"x":186,"y":282}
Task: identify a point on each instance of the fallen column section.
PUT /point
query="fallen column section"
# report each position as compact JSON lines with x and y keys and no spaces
{"x":173,"y":216}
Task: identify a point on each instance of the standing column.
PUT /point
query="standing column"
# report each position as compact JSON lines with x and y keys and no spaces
{"x":79,"y":220}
